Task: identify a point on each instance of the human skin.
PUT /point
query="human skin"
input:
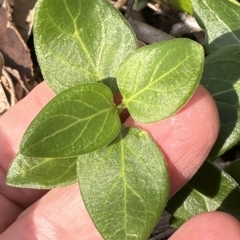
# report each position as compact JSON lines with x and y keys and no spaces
{"x":185,"y":138}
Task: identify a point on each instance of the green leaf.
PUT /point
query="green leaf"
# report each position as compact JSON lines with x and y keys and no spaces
{"x":41,"y":173}
{"x":125,"y":185}
{"x":183,"y":5}
{"x":220,"y":20}
{"x":233,"y":169}
{"x":80,"y":41}
{"x":157,"y":80}
{"x":235,"y":2}
{"x":140,"y":4}
{"x":209,"y":190}
{"x":221,"y":77}
{"x":79,"y":120}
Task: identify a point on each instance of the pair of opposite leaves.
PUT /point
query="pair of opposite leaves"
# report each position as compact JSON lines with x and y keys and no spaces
{"x":155,"y":82}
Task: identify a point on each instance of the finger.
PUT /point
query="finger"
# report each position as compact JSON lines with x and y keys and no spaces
{"x":209,"y":226}
{"x":12,"y":126}
{"x":187,"y":137}
{"x":63,"y":208}
{"x":7,"y":217}
{"x":60,"y":214}
{"x":14,"y":122}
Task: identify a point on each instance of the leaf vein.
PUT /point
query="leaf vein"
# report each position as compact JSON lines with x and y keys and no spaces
{"x":158,"y":79}
{"x":81,"y":42}
{"x":220,"y":20}
{"x":68,"y":127}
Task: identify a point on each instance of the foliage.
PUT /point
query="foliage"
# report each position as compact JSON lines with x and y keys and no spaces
{"x":87,"y":54}
{"x":140,"y":4}
{"x":183,"y":5}
{"x":211,"y":189}
{"x":221,"y":77}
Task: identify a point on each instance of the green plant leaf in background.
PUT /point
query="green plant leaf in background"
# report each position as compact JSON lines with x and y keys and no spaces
{"x":221,"y":77}
{"x":157,"y":80}
{"x":79,"y":120}
{"x":233,"y":169}
{"x":183,"y":5}
{"x":209,"y":190}
{"x":125,"y":185}
{"x":140,"y":4}
{"x":80,"y":41}
{"x":220,"y":20}
{"x":235,"y":2}
{"x":41,"y":173}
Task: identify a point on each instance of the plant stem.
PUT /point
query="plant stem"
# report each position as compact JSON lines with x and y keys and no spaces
{"x":120,"y":108}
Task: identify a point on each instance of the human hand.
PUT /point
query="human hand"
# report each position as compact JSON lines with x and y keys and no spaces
{"x":185,"y":138}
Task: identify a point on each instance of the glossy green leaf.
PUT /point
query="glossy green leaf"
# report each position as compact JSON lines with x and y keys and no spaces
{"x":221,"y":76}
{"x":220,"y":20}
{"x":79,"y":120}
{"x":41,"y":173}
{"x":233,"y":169}
{"x":125,"y":185}
{"x":209,"y":190}
{"x":183,"y":5}
{"x":80,"y":41}
{"x":157,"y":80}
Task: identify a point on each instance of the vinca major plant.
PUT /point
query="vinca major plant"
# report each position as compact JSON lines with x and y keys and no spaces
{"x":87,"y":53}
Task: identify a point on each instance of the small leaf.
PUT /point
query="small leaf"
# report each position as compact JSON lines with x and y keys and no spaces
{"x":140,"y":4}
{"x":221,"y":77}
{"x":125,"y":185}
{"x":209,"y":190}
{"x":183,"y":5}
{"x":157,"y":80}
{"x":79,"y":41}
{"x":79,"y":120}
{"x":41,"y":173}
{"x":235,"y":2}
{"x":233,"y":169}
{"x":220,"y":20}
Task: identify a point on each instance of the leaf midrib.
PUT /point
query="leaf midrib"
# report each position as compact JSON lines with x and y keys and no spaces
{"x":79,"y":38}
{"x":124,"y":185}
{"x":63,"y":129}
{"x":45,"y":160}
{"x":126,"y":101}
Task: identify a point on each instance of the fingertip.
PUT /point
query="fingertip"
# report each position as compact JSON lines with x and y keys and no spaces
{"x":209,"y":226}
